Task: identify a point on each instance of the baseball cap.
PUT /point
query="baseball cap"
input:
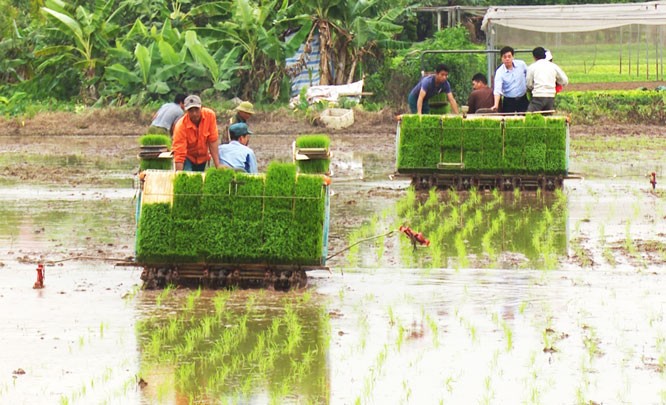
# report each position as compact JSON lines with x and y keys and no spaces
{"x":246,"y":107}
{"x":192,"y":101}
{"x":239,"y":129}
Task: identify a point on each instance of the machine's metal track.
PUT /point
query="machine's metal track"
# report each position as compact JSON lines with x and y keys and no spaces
{"x":504,"y":182}
{"x":278,"y":277}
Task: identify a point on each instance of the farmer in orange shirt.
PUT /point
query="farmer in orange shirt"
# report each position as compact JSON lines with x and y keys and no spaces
{"x":195,"y":137}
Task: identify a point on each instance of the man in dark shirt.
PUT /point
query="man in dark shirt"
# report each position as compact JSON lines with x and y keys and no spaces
{"x":481,"y":95}
{"x":428,"y":87}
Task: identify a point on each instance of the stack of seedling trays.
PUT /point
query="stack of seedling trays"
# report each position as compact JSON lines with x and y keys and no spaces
{"x":223,"y":227}
{"x":155,"y":152}
{"x":480,"y":151}
{"x":311,"y":153}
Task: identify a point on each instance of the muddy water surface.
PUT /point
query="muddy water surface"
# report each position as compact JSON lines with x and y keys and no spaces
{"x":520,"y":298}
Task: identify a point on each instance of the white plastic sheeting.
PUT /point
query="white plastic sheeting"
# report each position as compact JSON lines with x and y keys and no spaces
{"x":332,"y":93}
{"x":576,"y":18}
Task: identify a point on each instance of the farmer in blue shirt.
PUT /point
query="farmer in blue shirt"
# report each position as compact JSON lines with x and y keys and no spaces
{"x":236,"y":153}
{"x":428,"y":87}
{"x":510,"y":83}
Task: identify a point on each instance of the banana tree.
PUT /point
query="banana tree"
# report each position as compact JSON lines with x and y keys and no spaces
{"x":88,"y":33}
{"x":350,"y":29}
{"x":253,"y":32}
{"x":170,"y":62}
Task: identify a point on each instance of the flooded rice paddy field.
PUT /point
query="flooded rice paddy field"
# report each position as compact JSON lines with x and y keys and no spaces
{"x":521,"y":297}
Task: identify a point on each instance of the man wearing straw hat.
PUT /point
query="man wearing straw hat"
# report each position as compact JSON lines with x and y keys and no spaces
{"x":195,"y":137}
{"x":244,"y":111}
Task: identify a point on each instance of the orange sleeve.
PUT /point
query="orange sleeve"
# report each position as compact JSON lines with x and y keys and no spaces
{"x":179,"y":144}
{"x":212,"y":134}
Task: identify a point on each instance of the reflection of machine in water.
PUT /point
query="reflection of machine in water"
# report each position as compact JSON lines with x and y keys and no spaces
{"x":510,"y":230}
{"x":227,"y":347}
{"x":486,"y":151}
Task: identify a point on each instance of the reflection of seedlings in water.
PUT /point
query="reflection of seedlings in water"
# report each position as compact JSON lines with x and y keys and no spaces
{"x":211,"y":354}
{"x":637,"y":207}
{"x":366,"y":231}
{"x":506,"y":328}
{"x":391,"y":316}
{"x":192,"y":299}
{"x":522,"y":307}
{"x":408,"y":391}
{"x":375,"y":372}
{"x":434,"y":329}
{"x":471,"y":329}
{"x":400,"y":338}
{"x":516,"y":195}
{"x":462,"y":251}
{"x":163,"y":294}
{"x":479,"y":227}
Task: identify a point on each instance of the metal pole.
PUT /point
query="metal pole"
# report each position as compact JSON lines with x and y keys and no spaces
{"x":647,"y":56}
{"x":629,"y":50}
{"x":638,"y":50}
{"x":621,"y":44}
{"x":490,"y":58}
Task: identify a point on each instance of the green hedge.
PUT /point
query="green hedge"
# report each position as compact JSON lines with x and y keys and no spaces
{"x":235,"y":217}
{"x":532,"y":144}
{"x":646,"y":107}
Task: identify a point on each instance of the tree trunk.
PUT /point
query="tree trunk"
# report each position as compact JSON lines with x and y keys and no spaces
{"x":341,"y":63}
{"x":350,"y":78}
{"x":324,"y":47}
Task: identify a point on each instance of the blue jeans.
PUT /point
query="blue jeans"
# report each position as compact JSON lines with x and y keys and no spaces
{"x":412,"y":100}
{"x":188,"y":166}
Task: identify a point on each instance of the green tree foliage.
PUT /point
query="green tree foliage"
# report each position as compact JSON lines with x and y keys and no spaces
{"x":401,"y":72}
{"x":351,"y":30}
{"x":81,"y":38}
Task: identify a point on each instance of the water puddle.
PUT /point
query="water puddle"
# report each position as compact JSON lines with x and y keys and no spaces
{"x":519,"y":298}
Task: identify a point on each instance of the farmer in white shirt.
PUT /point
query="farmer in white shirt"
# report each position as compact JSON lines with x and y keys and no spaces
{"x":542,"y":78}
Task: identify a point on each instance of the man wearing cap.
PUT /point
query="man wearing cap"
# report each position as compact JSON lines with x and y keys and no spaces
{"x":236,"y":154}
{"x":244,"y":111}
{"x":195,"y":137}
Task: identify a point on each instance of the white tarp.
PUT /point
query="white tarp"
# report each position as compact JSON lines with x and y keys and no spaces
{"x":576,"y":18}
{"x":332,"y":93}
